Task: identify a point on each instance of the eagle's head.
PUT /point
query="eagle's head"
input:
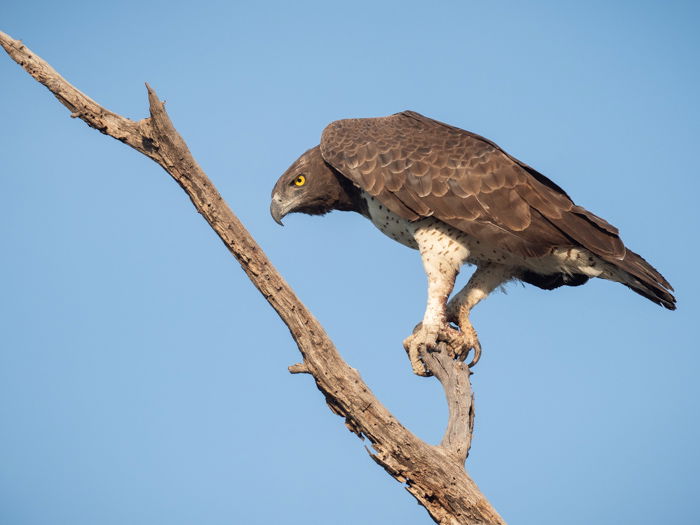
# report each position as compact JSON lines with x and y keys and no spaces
{"x":310,"y":185}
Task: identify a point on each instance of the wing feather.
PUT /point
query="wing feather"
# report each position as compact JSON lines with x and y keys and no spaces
{"x":419,"y":167}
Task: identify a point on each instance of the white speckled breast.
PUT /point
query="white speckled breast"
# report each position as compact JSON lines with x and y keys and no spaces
{"x":434,"y":238}
{"x":389,"y":223}
{"x":439,"y":241}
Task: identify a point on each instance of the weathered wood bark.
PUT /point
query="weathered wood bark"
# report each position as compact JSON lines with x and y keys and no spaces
{"x":435,"y":475}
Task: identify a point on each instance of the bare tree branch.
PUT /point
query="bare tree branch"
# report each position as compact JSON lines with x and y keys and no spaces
{"x":454,"y":376}
{"x":434,"y":475}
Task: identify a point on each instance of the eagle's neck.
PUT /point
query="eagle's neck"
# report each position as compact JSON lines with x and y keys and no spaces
{"x":349,"y":197}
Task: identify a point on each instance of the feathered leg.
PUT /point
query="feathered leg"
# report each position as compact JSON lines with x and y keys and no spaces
{"x":485,"y":279}
{"x":441,"y":267}
{"x":434,"y":325}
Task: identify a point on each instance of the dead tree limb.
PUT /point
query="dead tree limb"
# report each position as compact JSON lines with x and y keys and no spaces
{"x":434,"y":475}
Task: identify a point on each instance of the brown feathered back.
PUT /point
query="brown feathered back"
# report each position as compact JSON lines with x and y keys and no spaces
{"x":420,"y":167}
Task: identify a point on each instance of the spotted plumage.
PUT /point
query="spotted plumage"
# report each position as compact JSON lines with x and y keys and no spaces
{"x":460,"y":199}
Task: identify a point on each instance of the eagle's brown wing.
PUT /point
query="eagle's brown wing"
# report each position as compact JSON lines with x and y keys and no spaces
{"x":419,"y":167}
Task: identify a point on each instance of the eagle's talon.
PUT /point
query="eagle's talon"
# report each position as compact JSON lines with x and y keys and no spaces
{"x":423,"y":339}
{"x":461,"y":342}
{"x":477,"y":354}
{"x":466,"y":340}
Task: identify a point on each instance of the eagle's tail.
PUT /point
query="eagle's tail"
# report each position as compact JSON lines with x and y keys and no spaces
{"x":641,"y":277}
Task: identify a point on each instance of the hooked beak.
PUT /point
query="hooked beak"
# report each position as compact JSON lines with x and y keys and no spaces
{"x":277,"y":210}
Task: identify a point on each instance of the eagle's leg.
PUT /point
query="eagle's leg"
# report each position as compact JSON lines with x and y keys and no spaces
{"x":485,"y":279}
{"x":441,"y":269}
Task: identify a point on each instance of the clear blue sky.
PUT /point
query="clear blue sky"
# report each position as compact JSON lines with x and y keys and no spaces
{"x":143,"y":379}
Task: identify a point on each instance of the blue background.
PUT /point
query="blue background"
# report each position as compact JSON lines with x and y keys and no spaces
{"x":144,"y":380}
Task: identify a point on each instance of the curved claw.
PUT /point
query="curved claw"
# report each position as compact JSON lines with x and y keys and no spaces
{"x":477,"y":354}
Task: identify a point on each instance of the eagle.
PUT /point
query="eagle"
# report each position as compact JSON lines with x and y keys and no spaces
{"x":458,"y":198}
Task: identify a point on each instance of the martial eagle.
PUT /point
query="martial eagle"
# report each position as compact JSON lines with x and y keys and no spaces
{"x":458,"y":198}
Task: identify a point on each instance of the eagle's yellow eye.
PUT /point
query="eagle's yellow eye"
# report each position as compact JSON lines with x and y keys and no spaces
{"x":300,"y":180}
